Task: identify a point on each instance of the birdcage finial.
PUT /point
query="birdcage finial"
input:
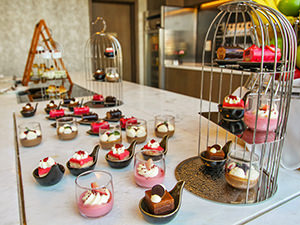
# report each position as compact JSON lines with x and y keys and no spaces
{"x":97,"y":24}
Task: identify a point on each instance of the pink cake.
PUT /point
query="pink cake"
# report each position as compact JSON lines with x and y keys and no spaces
{"x":253,"y":54}
{"x":81,"y":110}
{"x":57,"y":113}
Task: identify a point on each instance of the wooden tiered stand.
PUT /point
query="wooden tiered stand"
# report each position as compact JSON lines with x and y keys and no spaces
{"x":49,"y":43}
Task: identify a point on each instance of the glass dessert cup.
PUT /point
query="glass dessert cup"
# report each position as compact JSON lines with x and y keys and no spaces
{"x":164,"y":125}
{"x":264,"y":107}
{"x":94,"y":193}
{"x":136,"y":130}
{"x":112,"y":74}
{"x":30,"y":134}
{"x":109,"y":136}
{"x":149,"y":170}
{"x":237,"y":169}
{"x":66,"y":128}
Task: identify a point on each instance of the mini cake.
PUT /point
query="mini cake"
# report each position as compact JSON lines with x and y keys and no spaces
{"x":232,"y":101}
{"x":99,"y":74}
{"x":152,"y":145}
{"x":98,"y":98}
{"x":55,"y":113}
{"x":109,"y":52}
{"x":45,"y":166}
{"x":95,"y":126}
{"x":30,"y":138}
{"x":215,"y":152}
{"x":51,"y":105}
{"x":28,"y":108}
{"x":159,"y":201}
{"x":88,"y":117}
{"x":108,"y":139}
{"x":138,"y":133}
{"x":165,"y":128}
{"x":96,"y":202}
{"x":254,"y":53}
{"x":67,"y":132}
{"x":81,"y":110}
{"x":81,"y":159}
{"x":123,"y":121}
{"x":110,"y":100}
{"x":72,"y":104}
{"x":114,"y":114}
{"x":118,"y":152}
{"x":112,"y":77}
{"x":237,"y":175}
{"x":148,"y":174}
{"x":262,"y":118}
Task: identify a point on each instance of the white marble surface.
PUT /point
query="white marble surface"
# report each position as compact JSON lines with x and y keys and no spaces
{"x":56,"y":204}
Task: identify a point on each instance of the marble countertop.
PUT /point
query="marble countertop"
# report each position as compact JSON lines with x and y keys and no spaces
{"x":56,"y":204}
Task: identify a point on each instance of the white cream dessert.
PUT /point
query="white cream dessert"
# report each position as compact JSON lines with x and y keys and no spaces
{"x":138,"y":133}
{"x":147,"y":169}
{"x":112,"y":76}
{"x":108,"y":139}
{"x":81,"y":159}
{"x":67,"y":132}
{"x":164,"y":128}
{"x":45,"y":166}
{"x":96,"y":197}
{"x":30,"y":138}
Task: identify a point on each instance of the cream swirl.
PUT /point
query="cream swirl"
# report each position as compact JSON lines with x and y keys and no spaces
{"x":153,"y":144}
{"x":143,"y":171}
{"x":135,"y":131}
{"x":46,"y":163}
{"x":118,"y":149}
{"x":79,"y":155}
{"x":230,"y":99}
{"x":96,"y":197}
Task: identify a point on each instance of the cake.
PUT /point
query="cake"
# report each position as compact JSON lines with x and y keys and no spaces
{"x":229,"y":53}
{"x":237,"y":175}
{"x":98,"y":98}
{"x":147,"y":174}
{"x":108,"y":139}
{"x":254,"y":53}
{"x":118,"y":152}
{"x":81,"y":110}
{"x":109,"y":52}
{"x":99,"y":74}
{"x":232,"y":101}
{"x":81,"y":159}
{"x":51,"y":105}
{"x":30,"y":138}
{"x":45,"y":166}
{"x":89,"y":117}
{"x":164,"y":128}
{"x":113,"y":114}
{"x":96,"y":202}
{"x":135,"y":132}
{"x":96,"y":125}
{"x":72,"y":104}
{"x":28,"y":108}
{"x":110,"y":100}
{"x":152,"y":145}
{"x":215,"y":152}
{"x":67,"y":132}
{"x":159,"y":201}
{"x":56,"y":113}
{"x":262,"y":118}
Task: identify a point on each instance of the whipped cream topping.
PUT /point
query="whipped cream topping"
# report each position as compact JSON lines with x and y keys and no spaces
{"x":155,"y":198}
{"x":96,"y":197}
{"x":265,"y":110}
{"x":232,"y":99}
{"x":27,"y":106}
{"x":67,"y":129}
{"x":135,"y":131}
{"x":46,"y":163}
{"x":153,"y":144}
{"x":239,"y":172}
{"x":145,"y":172}
{"x":30,"y":134}
{"x":112,"y":75}
{"x":215,"y":148}
{"x":164,"y":127}
{"x":79,"y":155}
{"x":118,"y":149}
{"x":108,"y":136}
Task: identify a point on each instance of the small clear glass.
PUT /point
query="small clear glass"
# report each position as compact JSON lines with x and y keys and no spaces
{"x":109,"y":136}
{"x":66,"y":128}
{"x":164,"y":125}
{"x":30,"y":134}
{"x":136,"y":130}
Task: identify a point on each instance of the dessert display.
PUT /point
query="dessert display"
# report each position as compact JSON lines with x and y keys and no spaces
{"x":81,"y":161}
{"x":232,"y":108}
{"x":109,"y":52}
{"x":48,"y":172}
{"x":119,"y":156}
{"x":149,"y":172}
{"x":238,"y":171}
{"x":262,"y":116}
{"x":81,"y":110}
{"x":30,"y":134}
{"x":96,"y":125}
{"x":56,"y":113}
{"x":254,"y":53}
{"x":112,"y":75}
{"x":164,"y":125}
{"x":157,"y":207}
{"x":114,"y":114}
{"x":136,"y":130}
{"x":98,"y":99}
{"x":230,"y":53}
{"x":124,"y":120}
{"x":50,"y":106}
{"x":159,"y":200}
{"x":97,"y":199}
{"x":66,"y":128}
{"x":51,"y":90}
{"x":28,"y":110}
{"x":110,"y":136}
{"x":99,"y":74}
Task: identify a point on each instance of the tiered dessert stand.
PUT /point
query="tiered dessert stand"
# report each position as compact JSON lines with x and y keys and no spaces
{"x":270,"y":82}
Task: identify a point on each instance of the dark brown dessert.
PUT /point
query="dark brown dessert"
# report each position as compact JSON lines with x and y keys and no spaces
{"x":51,"y":105}
{"x":28,"y":108}
{"x":111,"y":99}
{"x":159,"y":201}
{"x":215,"y":152}
{"x":114,"y":114}
{"x":89,"y":117}
{"x":230,"y":53}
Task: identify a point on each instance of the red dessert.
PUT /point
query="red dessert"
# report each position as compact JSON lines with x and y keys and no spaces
{"x":153,"y":145}
{"x":118,"y":152}
{"x":254,"y":53}
{"x":81,"y":110}
{"x":123,"y":121}
{"x":232,"y":101}
{"x":57,"y":113}
{"x":95,"y":126}
{"x":45,"y":166}
{"x":81,"y":159}
{"x":98,"y":98}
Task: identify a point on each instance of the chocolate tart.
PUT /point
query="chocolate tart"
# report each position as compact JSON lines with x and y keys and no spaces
{"x":164,"y":144}
{"x":53,"y":177}
{"x":176,"y":193}
{"x":29,"y":113}
{"x":118,"y":164}
{"x":77,"y":171}
{"x":213,"y":163}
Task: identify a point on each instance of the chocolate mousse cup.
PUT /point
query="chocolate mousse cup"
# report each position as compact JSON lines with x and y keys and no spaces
{"x":30,"y":134}
{"x":164,"y":120}
{"x":66,"y":128}
{"x":106,"y":145}
{"x":136,"y":134}
{"x":162,"y":134}
{"x":109,"y":136}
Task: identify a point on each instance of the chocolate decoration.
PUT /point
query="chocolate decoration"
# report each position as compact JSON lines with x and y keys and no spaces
{"x":90,"y":116}
{"x":68,"y":100}
{"x":230,"y":53}
{"x":158,"y":190}
{"x":114,"y":114}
